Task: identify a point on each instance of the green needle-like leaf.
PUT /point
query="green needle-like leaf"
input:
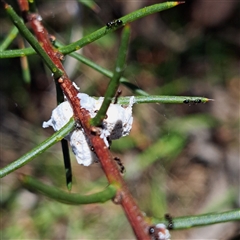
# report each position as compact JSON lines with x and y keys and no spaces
{"x":202,"y":220}
{"x":39,"y":149}
{"x":189,"y":100}
{"x":17,"y":21}
{"x":65,"y":147}
{"x":32,"y":6}
{"x":126,"y":19}
{"x":165,"y":99}
{"x":64,"y":197}
{"x":135,"y":89}
{"x":17,"y":53}
{"x":114,"y":83}
{"x":9,"y":38}
{"x":67,"y":163}
{"x":99,"y":33}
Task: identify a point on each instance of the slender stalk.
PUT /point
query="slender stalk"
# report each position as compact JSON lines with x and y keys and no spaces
{"x":189,"y":100}
{"x":17,"y":21}
{"x":143,"y":12}
{"x":17,"y":53}
{"x":65,"y":147}
{"x":135,"y":89}
{"x":9,"y":38}
{"x":39,"y":149}
{"x":64,"y":197}
{"x":99,"y":33}
{"x":166,"y":99}
{"x":114,"y":82}
{"x":202,"y":220}
{"x":24,"y":63}
{"x":25,"y":70}
{"x":32,"y":6}
{"x":67,"y":163}
{"x":126,"y":19}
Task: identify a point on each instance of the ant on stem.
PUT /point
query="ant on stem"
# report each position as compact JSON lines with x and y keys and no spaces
{"x":114,"y":23}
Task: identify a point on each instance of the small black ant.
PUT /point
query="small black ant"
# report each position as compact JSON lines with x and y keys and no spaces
{"x":196,"y":101}
{"x":114,"y":23}
{"x":52,"y":38}
{"x":169,"y":218}
{"x":77,"y":125}
{"x":119,"y":162}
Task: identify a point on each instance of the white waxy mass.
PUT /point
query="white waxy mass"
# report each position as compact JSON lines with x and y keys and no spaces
{"x":118,"y":123}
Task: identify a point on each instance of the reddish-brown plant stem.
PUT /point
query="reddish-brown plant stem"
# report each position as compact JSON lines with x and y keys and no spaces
{"x":123,"y":196}
{"x":23,"y":5}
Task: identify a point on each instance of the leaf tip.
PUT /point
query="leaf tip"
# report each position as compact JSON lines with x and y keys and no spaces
{"x":69,"y":186}
{"x":175,"y":3}
{"x":5,"y":5}
{"x":210,"y":100}
{"x":180,"y":2}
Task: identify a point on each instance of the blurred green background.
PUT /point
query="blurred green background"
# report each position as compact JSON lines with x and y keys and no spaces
{"x":179,"y":159}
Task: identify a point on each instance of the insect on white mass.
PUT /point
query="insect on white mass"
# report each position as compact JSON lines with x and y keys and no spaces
{"x":117,"y":124}
{"x":159,"y":232}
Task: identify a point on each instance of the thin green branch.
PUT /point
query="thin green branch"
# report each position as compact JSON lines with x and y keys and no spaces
{"x":135,"y":89}
{"x":32,"y":6}
{"x":29,"y":51}
{"x":143,"y":12}
{"x":67,"y":163}
{"x":114,"y":82}
{"x":99,"y":33}
{"x":126,"y":19}
{"x":17,"y":53}
{"x":67,"y":198}
{"x":9,"y":38}
{"x":203,"y":220}
{"x":25,"y":70}
{"x":64,"y":143}
{"x":24,"y":63}
{"x":39,"y":149}
{"x":17,"y":21}
{"x":165,"y":99}
{"x":104,"y":71}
